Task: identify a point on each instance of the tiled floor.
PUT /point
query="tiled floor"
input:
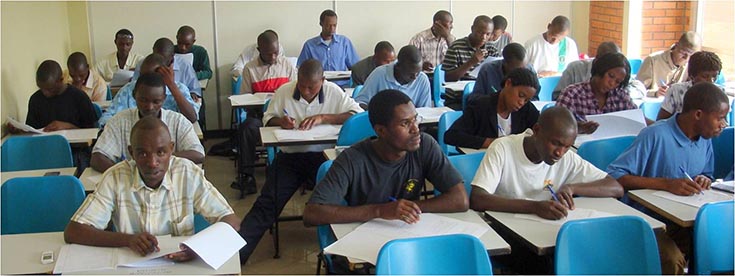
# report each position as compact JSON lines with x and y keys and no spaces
{"x":299,"y":247}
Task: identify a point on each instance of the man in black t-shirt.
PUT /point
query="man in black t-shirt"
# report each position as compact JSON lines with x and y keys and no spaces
{"x":383,"y":177}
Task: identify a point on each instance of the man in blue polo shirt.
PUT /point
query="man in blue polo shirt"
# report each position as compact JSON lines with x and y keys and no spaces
{"x":183,"y":72}
{"x":334,"y":51}
{"x":664,"y":153}
{"x":404,"y":75}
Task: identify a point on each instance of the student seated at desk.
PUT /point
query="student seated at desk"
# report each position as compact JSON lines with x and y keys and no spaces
{"x":301,"y":104}
{"x":264,"y":74}
{"x":334,"y":51}
{"x":664,"y":155}
{"x":80,"y":76}
{"x":149,"y":94}
{"x":57,"y":105}
{"x":498,"y":114}
{"x":550,"y":52}
{"x":183,"y":72}
{"x":249,"y":53}
{"x":403,"y":156}
{"x":185,"y":38}
{"x":468,"y":52}
{"x":150,"y":195}
{"x":177,"y":95}
{"x":515,"y":170}
{"x":122,"y":59}
{"x":492,"y":75}
{"x":382,"y":54}
{"x":434,"y":42}
{"x":405,"y":75}
{"x":661,"y":69}
{"x":703,"y":66}
{"x":603,"y":93}
{"x":500,"y":38}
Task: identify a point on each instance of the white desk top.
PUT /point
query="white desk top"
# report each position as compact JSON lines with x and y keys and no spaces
{"x":541,"y":237}
{"x":32,"y":173}
{"x":22,"y":255}
{"x":269,"y":139}
{"x":74,"y":136}
{"x":198,"y":130}
{"x":337,"y":75}
{"x":432,"y":115}
{"x":680,"y":213}
{"x":492,"y":241}
{"x":457,"y":85}
{"x":249,"y":100}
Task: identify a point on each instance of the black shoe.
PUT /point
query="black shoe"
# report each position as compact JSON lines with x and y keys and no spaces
{"x":247,"y":186}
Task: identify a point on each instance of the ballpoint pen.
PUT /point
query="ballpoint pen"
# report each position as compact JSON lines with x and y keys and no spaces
{"x":689,"y":177}
{"x":548,"y":186}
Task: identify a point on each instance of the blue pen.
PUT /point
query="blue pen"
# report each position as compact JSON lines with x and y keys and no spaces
{"x":286,"y":112}
{"x":392,"y":199}
{"x":551,"y":190}
{"x":579,"y":118}
{"x":688,"y":177}
{"x":501,"y":131}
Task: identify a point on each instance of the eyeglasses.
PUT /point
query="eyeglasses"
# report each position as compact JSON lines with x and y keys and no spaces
{"x":410,"y":122}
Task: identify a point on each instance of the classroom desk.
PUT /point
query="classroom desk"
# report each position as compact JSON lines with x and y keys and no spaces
{"x":74,"y":136}
{"x":680,"y":213}
{"x":198,"y":131}
{"x":337,"y":75}
{"x":22,"y":255}
{"x":432,"y":115}
{"x":494,"y":244}
{"x":541,"y":237}
{"x":457,"y":85}
{"x":33,"y":173}
{"x":249,"y":100}
{"x":469,"y":150}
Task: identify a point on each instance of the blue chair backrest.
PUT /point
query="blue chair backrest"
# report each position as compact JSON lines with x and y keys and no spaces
{"x":357,"y":90}
{"x":324,"y":232}
{"x":39,"y":204}
{"x":436,"y":255}
{"x":731,"y":116}
{"x":437,"y":88}
{"x":445,"y":122}
{"x":611,"y":245}
{"x":200,"y":223}
{"x":20,"y":153}
{"x":650,"y":109}
{"x":467,"y":165}
{"x":713,"y":238}
{"x":720,"y":79}
{"x":604,"y":151}
{"x":466,"y":93}
{"x":548,"y":105}
{"x":547,"y":87}
{"x":635,"y":65}
{"x":98,"y":111}
{"x":109,"y":93}
{"x":236,"y":85}
{"x":722,"y":146}
{"x":355,"y":129}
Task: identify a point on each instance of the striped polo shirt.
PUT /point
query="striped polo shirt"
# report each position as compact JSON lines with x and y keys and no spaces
{"x":260,"y":77}
{"x":461,"y":52}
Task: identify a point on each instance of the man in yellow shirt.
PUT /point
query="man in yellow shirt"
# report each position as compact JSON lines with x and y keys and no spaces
{"x":79,"y":76}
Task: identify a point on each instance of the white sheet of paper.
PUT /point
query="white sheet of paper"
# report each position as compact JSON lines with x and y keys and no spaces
{"x":187,"y":58}
{"x":75,"y":258}
{"x":166,"y":244}
{"x":21,"y":126}
{"x":432,"y":113}
{"x":456,"y":85}
{"x":576,"y":214}
{"x":696,"y":200}
{"x":250,"y":99}
{"x":365,"y":241}
{"x":320,"y":131}
{"x":121,"y":77}
{"x":726,"y":185}
{"x":615,"y":124}
{"x":216,"y":244}
{"x":337,"y":74}
{"x":475,"y":72}
{"x":540,"y":104}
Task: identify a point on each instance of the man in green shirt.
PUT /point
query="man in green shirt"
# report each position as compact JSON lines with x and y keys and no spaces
{"x":185,"y":39}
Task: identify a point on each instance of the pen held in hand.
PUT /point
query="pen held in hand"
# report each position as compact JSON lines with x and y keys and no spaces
{"x":553,"y":194}
{"x":688,"y":177}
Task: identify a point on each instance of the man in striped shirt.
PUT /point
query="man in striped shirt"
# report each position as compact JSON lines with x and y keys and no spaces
{"x":468,"y":52}
{"x":433,"y":42}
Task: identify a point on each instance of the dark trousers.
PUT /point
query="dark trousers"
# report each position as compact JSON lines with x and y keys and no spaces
{"x":249,"y":138}
{"x":202,"y":120}
{"x":292,"y":169}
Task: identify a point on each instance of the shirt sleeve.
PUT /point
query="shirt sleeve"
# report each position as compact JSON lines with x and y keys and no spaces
{"x":186,"y":137}
{"x":191,"y":81}
{"x":709,"y":167}
{"x":87,"y":114}
{"x":304,"y":54}
{"x":633,"y":160}
{"x":567,"y":78}
{"x":567,"y":100}
{"x":238,"y":65}
{"x":645,"y":74}
{"x":96,"y":210}
{"x":352,"y":56}
{"x":580,"y":171}
{"x":185,"y":91}
{"x":463,"y":131}
{"x":349,"y":105}
{"x":99,"y":92}
{"x":424,"y":93}
{"x":203,"y":70}
{"x":439,"y":170}
{"x":369,"y":89}
{"x":247,"y":82}
{"x":450,"y":61}
{"x":108,"y":144}
{"x":32,"y":117}
{"x":491,"y":168}
{"x":483,"y":81}
{"x":668,"y":103}
{"x":208,"y":202}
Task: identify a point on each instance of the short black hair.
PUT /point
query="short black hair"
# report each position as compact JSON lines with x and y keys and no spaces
{"x":186,"y":30}
{"x":146,"y":124}
{"x":150,"y":80}
{"x":326,"y":13}
{"x":164,"y":46}
{"x":76,"y":59}
{"x":606,"y":48}
{"x":523,"y":77}
{"x":703,"y":61}
{"x":267,"y":37}
{"x":382,"y":106}
{"x":499,"y":22}
{"x":123,"y":32}
{"x":440,"y":15}
{"x":311,"y":68}
{"x":482,"y":19}
{"x":49,"y":70}
{"x":704,"y":96}
{"x":271,"y":31}
{"x":383,"y":46}
{"x":600,"y":66}
{"x":561,"y":21}
{"x":409,"y":54}
{"x":514,"y":52}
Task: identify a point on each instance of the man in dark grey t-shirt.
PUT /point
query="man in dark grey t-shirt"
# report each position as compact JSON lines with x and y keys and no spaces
{"x":384,"y":54}
{"x":383,"y":177}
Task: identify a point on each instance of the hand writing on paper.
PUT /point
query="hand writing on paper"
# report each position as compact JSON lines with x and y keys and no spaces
{"x":186,"y":254}
{"x":683,"y":187}
{"x":402,"y":209}
{"x":703,"y":181}
{"x":550,"y":209}
{"x":662,"y":90}
{"x":587,"y":127}
{"x":310,"y":122}
{"x":566,"y":196}
{"x":143,"y":243}
{"x":287,"y":122}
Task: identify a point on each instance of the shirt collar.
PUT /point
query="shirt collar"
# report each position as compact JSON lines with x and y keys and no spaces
{"x":261,"y":63}
{"x":335,"y":39}
{"x":679,"y":135}
{"x":138,"y":183}
{"x":320,"y":96}
{"x":89,"y":83}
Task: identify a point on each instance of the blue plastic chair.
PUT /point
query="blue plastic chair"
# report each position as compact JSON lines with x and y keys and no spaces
{"x":357,"y":91}
{"x":732,"y":114}
{"x":437,"y":255}
{"x":611,"y":245}
{"x":20,"y":153}
{"x":713,"y":238}
{"x":200,"y":223}
{"x":720,"y":79}
{"x":604,"y":151}
{"x":236,"y":85}
{"x":548,"y":105}
{"x":355,"y":129}
{"x":547,"y":87}
{"x":466,"y":93}
{"x":437,"y":88}
{"x":109,"y":93}
{"x":722,"y":146}
{"x":324,"y":232}
{"x":467,"y":165}
{"x":445,"y":122}
{"x":635,"y":65}
{"x":39,"y":204}
{"x":98,"y":111}
{"x":650,"y":109}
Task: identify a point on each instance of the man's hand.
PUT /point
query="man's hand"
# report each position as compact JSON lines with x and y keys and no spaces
{"x":565,"y":193}
{"x":441,"y":30}
{"x":683,"y":187}
{"x":186,"y":254}
{"x":428,"y":67}
{"x":196,"y":98}
{"x":544,"y":74}
{"x":402,"y":209}
{"x":703,"y":181}
{"x":550,"y":209}
{"x":310,"y":122}
{"x":12,"y":129}
{"x":58,"y":125}
{"x":287,"y":122}
{"x":168,"y":76}
{"x":478,"y":56}
{"x":662,"y":90}
{"x":587,"y":127}
{"x":143,"y":243}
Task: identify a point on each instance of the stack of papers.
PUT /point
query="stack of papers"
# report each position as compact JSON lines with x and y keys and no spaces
{"x":432,"y":114}
{"x":365,"y":241}
{"x":576,"y":214}
{"x":21,"y":126}
{"x":457,"y":85}
{"x":250,"y":99}
{"x":696,"y":200}
{"x":615,"y":124}
{"x":315,"y":133}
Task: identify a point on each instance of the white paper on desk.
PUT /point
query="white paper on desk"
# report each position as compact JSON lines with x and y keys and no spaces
{"x":216,"y":244}
{"x":121,"y":77}
{"x":475,"y":72}
{"x":249,"y":99}
{"x":21,"y":126}
{"x":728,"y":186}
{"x":320,"y":131}
{"x":337,"y":74}
{"x":540,"y":104}
{"x":615,"y":124}
{"x":696,"y":200}
{"x":456,"y":85}
{"x":187,"y":58}
{"x":576,"y":214}
{"x":167,"y":245}
{"x":80,"y":134}
{"x":75,"y":258}
{"x":365,"y":241}
{"x":432,"y":113}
